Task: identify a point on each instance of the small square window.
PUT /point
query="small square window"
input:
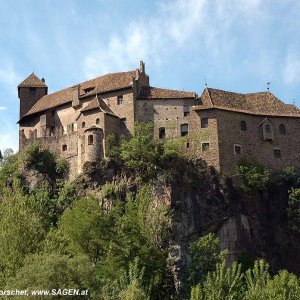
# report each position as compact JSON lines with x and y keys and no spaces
{"x":204,"y":122}
{"x":186,"y":111}
{"x":205,"y":147}
{"x":237,"y":149}
{"x":120,"y":100}
{"x":277,"y":153}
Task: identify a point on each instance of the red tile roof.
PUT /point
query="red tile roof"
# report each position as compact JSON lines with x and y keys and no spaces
{"x":157,"y":93}
{"x":32,"y":81}
{"x":261,"y":103}
{"x":99,"y":103}
{"x":102,"y":84}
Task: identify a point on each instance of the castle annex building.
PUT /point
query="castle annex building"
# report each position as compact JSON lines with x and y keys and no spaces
{"x":220,"y":127}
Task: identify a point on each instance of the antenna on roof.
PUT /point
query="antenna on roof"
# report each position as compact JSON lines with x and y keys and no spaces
{"x":268,"y":86}
{"x":205,"y":82}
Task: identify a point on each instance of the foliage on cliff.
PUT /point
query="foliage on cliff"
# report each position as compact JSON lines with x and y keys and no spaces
{"x":115,"y":240}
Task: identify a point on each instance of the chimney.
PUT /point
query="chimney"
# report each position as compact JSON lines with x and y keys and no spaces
{"x":75,"y":96}
{"x":142,"y":67}
{"x":43,"y":80}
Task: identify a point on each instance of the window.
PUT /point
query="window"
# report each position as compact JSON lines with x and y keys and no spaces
{"x":268,"y":128}
{"x":237,"y":149}
{"x":83,"y":125}
{"x":277,"y":153}
{"x":97,"y":121}
{"x":90,"y":139}
{"x":281,"y":129}
{"x":205,"y":147}
{"x":188,"y":145}
{"x":162,"y":132}
{"x":120,"y":99}
{"x":204,"y":122}
{"x":243,"y":126}
{"x":184,"y":129}
{"x":64,"y":147}
{"x":74,"y":126}
{"x":186,"y":111}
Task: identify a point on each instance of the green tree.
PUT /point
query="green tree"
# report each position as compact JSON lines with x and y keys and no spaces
{"x":140,"y":152}
{"x":254,"y":176}
{"x":54,"y":271}
{"x":293,"y":209}
{"x":205,"y":254}
{"x":8,"y":167}
{"x":21,"y":230}
{"x":224,"y":283}
{"x":38,"y":158}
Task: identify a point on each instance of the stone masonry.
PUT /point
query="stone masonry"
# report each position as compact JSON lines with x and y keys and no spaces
{"x":220,"y":127}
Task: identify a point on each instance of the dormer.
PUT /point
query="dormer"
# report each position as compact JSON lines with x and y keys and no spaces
{"x":88,"y":89}
{"x":267,"y":130}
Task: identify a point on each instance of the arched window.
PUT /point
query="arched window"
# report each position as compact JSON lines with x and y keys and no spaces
{"x":64,"y":147}
{"x":97,"y":121}
{"x":90,"y":139}
{"x":83,"y":125}
{"x":243,"y":126}
{"x":162,"y":132}
{"x":281,"y":129}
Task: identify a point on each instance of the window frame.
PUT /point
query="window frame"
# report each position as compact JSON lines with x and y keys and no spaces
{"x":282,"y":129}
{"x":243,"y":125}
{"x":204,"y":122}
{"x":237,"y":146}
{"x":160,"y":135}
{"x":90,"y":139}
{"x":205,"y":146}
{"x":120,"y":100}
{"x":64,"y":148}
{"x":184,"y":133}
{"x":277,"y":151}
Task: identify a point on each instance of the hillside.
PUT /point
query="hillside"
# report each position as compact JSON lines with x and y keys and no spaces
{"x":148,"y":223}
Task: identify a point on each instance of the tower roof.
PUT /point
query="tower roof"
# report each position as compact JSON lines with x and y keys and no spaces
{"x":32,"y":81}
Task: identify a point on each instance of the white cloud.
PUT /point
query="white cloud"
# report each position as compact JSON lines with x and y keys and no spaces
{"x":175,"y":26}
{"x":291,"y":68}
{"x":2,"y":107}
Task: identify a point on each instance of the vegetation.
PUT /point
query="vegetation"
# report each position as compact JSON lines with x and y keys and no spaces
{"x":115,"y":242}
{"x":254,"y":176}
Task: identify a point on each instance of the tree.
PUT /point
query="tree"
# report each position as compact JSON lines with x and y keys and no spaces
{"x":293,"y":209}
{"x":40,"y":159}
{"x":140,"y":152}
{"x":21,"y":230}
{"x":8,"y":167}
{"x":54,"y":271}
{"x":224,"y":283}
{"x":205,"y":254}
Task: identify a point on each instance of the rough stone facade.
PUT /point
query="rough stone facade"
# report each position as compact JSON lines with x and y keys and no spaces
{"x":75,"y":122}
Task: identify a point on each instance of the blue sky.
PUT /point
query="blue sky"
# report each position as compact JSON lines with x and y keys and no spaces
{"x":236,"y":45}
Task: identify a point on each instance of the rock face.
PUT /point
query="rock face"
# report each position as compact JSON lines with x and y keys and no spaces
{"x":251,"y":224}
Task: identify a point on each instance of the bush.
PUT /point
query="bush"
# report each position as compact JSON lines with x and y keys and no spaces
{"x":254,"y":176}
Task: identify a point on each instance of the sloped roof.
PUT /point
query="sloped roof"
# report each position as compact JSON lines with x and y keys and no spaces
{"x":32,"y":81}
{"x":261,"y":103}
{"x":102,"y":84}
{"x":148,"y":92}
{"x":99,"y":103}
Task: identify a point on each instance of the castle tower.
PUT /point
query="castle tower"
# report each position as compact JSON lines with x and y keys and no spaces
{"x":30,"y":91}
{"x":94,"y":144}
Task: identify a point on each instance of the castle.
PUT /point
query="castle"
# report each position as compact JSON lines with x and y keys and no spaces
{"x":219,"y":126}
